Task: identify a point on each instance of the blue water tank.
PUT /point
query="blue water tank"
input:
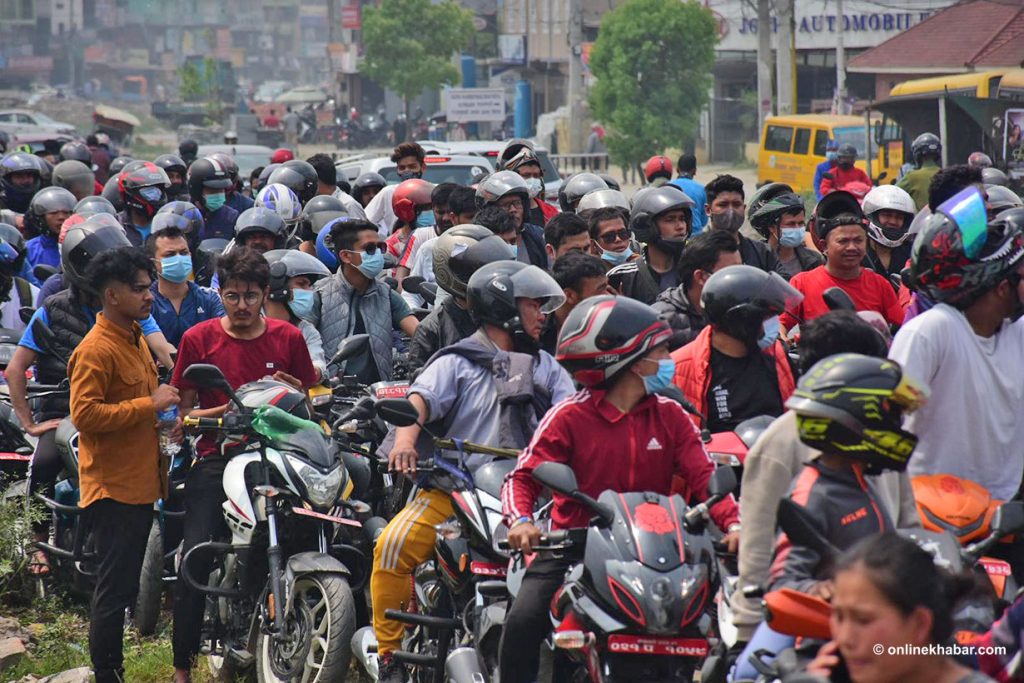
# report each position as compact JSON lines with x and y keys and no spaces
{"x":523,"y":113}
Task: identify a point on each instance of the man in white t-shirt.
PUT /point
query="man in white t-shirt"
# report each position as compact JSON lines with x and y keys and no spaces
{"x":409,"y":159}
{"x":969,"y":348}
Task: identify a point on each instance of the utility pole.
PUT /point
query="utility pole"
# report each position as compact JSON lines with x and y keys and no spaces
{"x":785,"y":62}
{"x":575,"y":89}
{"x":840,"y":61}
{"x":764,"y":63}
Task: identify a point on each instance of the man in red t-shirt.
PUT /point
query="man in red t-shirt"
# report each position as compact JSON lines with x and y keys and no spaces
{"x":246,"y":347}
{"x":841,"y":233}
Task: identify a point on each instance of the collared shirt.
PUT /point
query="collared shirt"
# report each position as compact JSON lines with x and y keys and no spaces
{"x":112,"y":377}
{"x":198,"y":305}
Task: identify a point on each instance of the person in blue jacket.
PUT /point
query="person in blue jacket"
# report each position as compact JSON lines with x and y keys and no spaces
{"x":831,"y":154}
{"x":687,"y":169}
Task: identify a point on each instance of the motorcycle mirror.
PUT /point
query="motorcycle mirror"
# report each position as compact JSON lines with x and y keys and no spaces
{"x":799,"y":525}
{"x":43,"y":272}
{"x":722,"y":482}
{"x":751,"y":430}
{"x":428,"y":290}
{"x":206,"y":376}
{"x":26,"y":313}
{"x":412,"y":284}
{"x":838,"y":300}
{"x":398,"y":411}
{"x":1008,"y":518}
{"x":391,"y":282}
{"x":557,"y":477}
{"x":351,"y":347}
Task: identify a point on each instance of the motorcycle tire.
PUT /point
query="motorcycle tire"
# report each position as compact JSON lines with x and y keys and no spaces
{"x":151,"y":584}
{"x":330,"y":645}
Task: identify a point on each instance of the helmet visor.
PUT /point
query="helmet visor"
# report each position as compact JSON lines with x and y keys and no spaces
{"x":910,"y":394}
{"x":777,"y":295}
{"x":967,"y":210}
{"x":533,"y":283}
{"x":163,"y":221}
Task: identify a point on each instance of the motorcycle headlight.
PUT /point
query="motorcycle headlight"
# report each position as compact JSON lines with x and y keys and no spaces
{"x":322,"y":489}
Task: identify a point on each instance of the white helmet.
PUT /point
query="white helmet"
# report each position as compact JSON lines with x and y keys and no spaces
{"x":888,"y":198}
{"x":282,"y":200}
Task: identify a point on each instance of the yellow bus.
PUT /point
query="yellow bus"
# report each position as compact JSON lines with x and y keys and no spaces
{"x":975,"y":84}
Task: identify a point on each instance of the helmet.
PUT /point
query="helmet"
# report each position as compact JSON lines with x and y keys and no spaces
{"x":854,"y":405}
{"x":613,"y":184}
{"x":926,"y":145}
{"x":112,"y":192}
{"x":834,"y":210}
{"x":188,"y":149}
{"x":500,"y":184}
{"x":511,"y":149}
{"x":145,"y":188}
{"x":94,"y":204}
{"x":77,"y":151}
{"x":171,"y":162}
{"x":260,"y":219}
{"x":599,"y":199}
{"x":318,"y":212}
{"x":230,"y":137}
{"x":300,"y":176}
{"x":228,"y":162}
{"x":493,"y":289}
{"x":117,"y":164}
{"x":578,"y":186}
{"x":281,"y":155}
{"x":45,"y":171}
{"x":84,"y":241}
{"x":769,"y":204}
{"x":652,"y":204}
{"x":293,"y":264}
{"x":181,"y":215}
{"x":979,"y":160}
{"x":46,"y":201}
{"x":270,"y":392}
{"x":409,"y":196}
{"x":323,"y":252}
{"x":206,"y":172}
{"x":12,"y":250}
{"x":738,"y":299}
{"x":366,"y":181}
{"x":658,"y":165}
{"x":265,"y":174}
{"x":888,"y":198}
{"x":461,"y":251}
{"x":993,"y":176}
{"x":281,"y":199}
{"x":19,"y":162}
{"x":846,"y":150}
{"x":1001,"y":198}
{"x":75,"y":177}
{"x":604,"y":335}
{"x":958,"y":255}
{"x":523,"y":157}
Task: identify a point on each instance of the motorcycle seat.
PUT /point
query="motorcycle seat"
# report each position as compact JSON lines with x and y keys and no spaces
{"x":490,"y":477}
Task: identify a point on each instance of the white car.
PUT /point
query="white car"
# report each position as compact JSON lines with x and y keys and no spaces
{"x":462,"y":169}
{"x":490,"y":150}
{"x":27,"y":122}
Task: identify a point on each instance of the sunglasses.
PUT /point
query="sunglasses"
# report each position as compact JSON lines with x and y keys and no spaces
{"x":613,"y":237}
{"x":370,"y":248}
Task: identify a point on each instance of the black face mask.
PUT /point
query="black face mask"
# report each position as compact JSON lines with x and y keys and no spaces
{"x":673,"y":247}
{"x":409,"y":175}
{"x":846,"y":165}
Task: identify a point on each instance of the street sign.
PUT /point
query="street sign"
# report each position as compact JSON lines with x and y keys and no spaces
{"x":467,"y":105}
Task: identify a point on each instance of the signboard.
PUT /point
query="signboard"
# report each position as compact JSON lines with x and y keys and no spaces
{"x":1013,"y":142}
{"x":30,"y":64}
{"x":512,"y":48}
{"x":351,"y":17}
{"x":467,"y":105}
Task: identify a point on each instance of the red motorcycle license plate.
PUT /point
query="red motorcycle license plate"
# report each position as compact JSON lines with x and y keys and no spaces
{"x":655,"y":645}
{"x":995,"y":567}
{"x":392,"y":391}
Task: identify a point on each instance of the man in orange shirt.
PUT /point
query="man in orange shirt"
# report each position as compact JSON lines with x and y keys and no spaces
{"x":114,"y":403}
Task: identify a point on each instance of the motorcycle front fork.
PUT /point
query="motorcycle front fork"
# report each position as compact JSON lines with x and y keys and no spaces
{"x":276,"y":601}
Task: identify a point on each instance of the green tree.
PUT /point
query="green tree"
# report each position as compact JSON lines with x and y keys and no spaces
{"x":652,"y":63}
{"x":408,"y":44}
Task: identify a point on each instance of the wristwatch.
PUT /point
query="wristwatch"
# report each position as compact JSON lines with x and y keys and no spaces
{"x":522,"y":520}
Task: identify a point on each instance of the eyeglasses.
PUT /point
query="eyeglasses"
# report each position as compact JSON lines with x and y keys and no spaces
{"x":613,"y":237}
{"x":249,"y":297}
{"x":370,"y":248}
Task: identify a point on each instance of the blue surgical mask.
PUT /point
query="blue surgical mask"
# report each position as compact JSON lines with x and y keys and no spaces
{"x":616,"y":257}
{"x":662,"y":378}
{"x":515,"y":250}
{"x":176,"y":268}
{"x":302,"y":303}
{"x":214,"y":201}
{"x":831,"y":156}
{"x":372,"y":264}
{"x":792,"y":237}
{"x":771,"y":333}
{"x":425,"y":219}
{"x":143,"y":230}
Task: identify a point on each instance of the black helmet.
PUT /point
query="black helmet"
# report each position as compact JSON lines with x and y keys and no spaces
{"x":835,"y":209}
{"x":188,"y":149}
{"x":19,"y":197}
{"x":493,"y":289}
{"x":206,"y":172}
{"x":12,"y":250}
{"x":926,"y":145}
{"x":318,"y":212}
{"x":75,"y":177}
{"x":769,"y":204}
{"x":181,"y":215}
{"x":228,"y":162}
{"x":364,"y":182}
{"x":112,"y":192}
{"x":604,"y":335}
{"x":260,"y":219}
{"x":846,"y":151}
{"x":738,"y":299}
{"x":461,"y":251}
{"x":84,"y":241}
{"x":573,"y":189}
{"x":265,"y":174}
{"x":854,"y":405}
{"x":45,"y":171}
{"x":501,"y":184}
{"x":144,"y":188}
{"x":979,"y":160}
{"x":658,"y":200}
{"x":300,"y":176}
{"x":993,"y":176}
{"x":46,"y":201}
{"x":77,"y":151}
{"x":293,"y":263}
{"x":95,"y":204}
{"x":613,"y":184}
{"x":958,"y":255}
{"x":118,"y":163}
{"x":171,"y":162}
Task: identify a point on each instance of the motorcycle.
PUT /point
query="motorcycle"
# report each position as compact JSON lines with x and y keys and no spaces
{"x":281,"y":590}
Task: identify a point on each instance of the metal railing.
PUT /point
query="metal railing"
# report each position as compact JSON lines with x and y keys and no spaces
{"x":574,"y":163}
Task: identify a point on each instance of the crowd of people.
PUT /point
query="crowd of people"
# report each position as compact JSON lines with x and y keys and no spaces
{"x":559,"y":331}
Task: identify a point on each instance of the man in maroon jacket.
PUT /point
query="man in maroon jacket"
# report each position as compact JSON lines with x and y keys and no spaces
{"x":615,"y":434}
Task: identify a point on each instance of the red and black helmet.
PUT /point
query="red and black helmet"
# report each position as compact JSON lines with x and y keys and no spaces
{"x":410,"y":197}
{"x":604,"y":335}
{"x":144,"y":188}
{"x":658,"y":166}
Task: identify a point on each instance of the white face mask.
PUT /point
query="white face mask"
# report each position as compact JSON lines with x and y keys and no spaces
{"x":535,"y":186}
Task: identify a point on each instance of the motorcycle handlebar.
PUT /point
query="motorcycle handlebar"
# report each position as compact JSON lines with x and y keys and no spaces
{"x":226,"y":422}
{"x":422,"y":466}
{"x":553,"y":540}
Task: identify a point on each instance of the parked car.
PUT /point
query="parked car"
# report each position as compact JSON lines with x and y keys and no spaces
{"x":490,"y":150}
{"x":27,"y":122}
{"x":463,"y":169}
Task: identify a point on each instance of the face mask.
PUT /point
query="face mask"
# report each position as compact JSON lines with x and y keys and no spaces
{"x":616,"y":257}
{"x":143,"y":230}
{"x":372,"y":264}
{"x":846,"y":165}
{"x":151,"y":194}
{"x":175,"y":190}
{"x":728,"y":220}
{"x":792,"y":237}
{"x":302,"y":303}
{"x":515,"y":251}
{"x":409,"y":175}
{"x":176,"y":268}
{"x":535,"y":186}
{"x":425,"y":219}
{"x":831,"y":156}
{"x":673,"y":246}
{"x":214,"y":201}
{"x":662,"y":378}
{"x":771,"y":333}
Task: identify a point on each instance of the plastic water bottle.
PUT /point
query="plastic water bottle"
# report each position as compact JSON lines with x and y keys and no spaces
{"x":168,"y":419}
